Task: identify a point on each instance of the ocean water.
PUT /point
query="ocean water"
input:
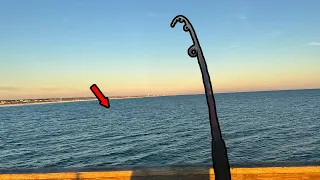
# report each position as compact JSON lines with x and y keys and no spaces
{"x":258,"y":127}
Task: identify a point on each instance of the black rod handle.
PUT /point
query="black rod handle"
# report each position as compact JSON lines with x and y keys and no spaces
{"x":220,"y":160}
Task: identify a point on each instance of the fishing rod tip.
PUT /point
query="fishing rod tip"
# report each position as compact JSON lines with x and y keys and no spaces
{"x":178,"y":18}
{"x":182,"y":19}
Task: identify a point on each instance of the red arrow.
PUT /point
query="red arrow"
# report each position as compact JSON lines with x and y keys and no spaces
{"x":104,"y":101}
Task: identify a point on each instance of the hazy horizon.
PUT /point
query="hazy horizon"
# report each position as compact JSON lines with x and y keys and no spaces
{"x":60,"y":48}
{"x":200,"y":93}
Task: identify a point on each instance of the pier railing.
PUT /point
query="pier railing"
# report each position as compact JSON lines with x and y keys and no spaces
{"x":310,"y":171}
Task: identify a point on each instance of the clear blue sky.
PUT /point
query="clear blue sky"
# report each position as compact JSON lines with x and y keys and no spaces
{"x":61,"y":47}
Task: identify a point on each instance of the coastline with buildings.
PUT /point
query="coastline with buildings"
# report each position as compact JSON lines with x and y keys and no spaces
{"x":20,"y":102}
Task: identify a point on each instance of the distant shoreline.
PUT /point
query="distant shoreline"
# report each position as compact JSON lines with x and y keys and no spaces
{"x":64,"y":101}
{"x":39,"y":103}
{"x":56,"y":100}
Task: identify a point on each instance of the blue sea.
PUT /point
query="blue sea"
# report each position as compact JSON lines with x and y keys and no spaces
{"x":258,"y":127}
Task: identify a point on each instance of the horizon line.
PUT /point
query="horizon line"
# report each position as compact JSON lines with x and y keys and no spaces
{"x":178,"y":94}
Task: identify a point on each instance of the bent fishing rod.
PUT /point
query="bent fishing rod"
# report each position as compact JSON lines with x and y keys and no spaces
{"x":220,"y":161}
